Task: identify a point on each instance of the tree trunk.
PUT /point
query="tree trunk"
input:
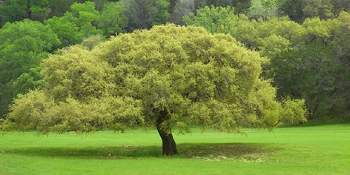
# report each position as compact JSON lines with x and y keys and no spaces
{"x":164,"y":130}
{"x":168,"y":143}
{"x":29,"y":12}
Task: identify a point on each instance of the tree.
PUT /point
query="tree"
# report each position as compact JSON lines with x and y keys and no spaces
{"x":68,"y":32}
{"x":304,"y":61}
{"x":263,"y":9}
{"x":143,"y":14}
{"x":294,"y":9}
{"x":341,"y":5}
{"x":341,"y":51}
{"x":167,"y":77}
{"x":59,"y":8}
{"x":85,"y":16}
{"x":307,"y":61}
{"x":113,"y":20}
{"x":22,"y":46}
{"x":214,"y":19}
{"x":76,"y":24}
{"x":318,"y":8}
{"x":315,"y":77}
{"x":15,"y":10}
{"x":28,"y":81}
{"x":181,"y":9}
{"x":299,"y":10}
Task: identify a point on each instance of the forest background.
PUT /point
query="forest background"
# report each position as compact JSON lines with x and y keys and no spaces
{"x":307,"y":42}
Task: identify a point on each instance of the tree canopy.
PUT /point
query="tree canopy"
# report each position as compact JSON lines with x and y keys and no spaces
{"x":167,"y":77}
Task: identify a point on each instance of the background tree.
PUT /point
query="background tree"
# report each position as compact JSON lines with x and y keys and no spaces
{"x":76,"y":24}
{"x":263,"y":9}
{"x":59,"y":8}
{"x":143,"y":14}
{"x":16,"y":10}
{"x":214,"y":19}
{"x":308,"y":61}
{"x":303,"y":60}
{"x":85,"y":16}
{"x":181,"y":9}
{"x":113,"y":20}
{"x":22,"y":46}
{"x":299,"y":10}
{"x":340,"y":5}
{"x":165,"y":77}
{"x":294,"y":10}
{"x":341,"y":51}
{"x":29,"y":81}
{"x":68,"y":32}
{"x":318,"y":8}
{"x":185,"y":7}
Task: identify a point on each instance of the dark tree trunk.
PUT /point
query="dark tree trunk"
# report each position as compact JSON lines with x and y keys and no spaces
{"x":29,"y":12}
{"x":168,"y":143}
{"x":164,"y":130}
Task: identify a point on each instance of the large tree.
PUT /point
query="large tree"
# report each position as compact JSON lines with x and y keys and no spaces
{"x":167,"y":77}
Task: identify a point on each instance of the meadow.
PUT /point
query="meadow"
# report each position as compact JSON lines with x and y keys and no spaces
{"x":321,"y":149}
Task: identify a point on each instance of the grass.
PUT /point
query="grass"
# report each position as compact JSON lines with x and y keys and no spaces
{"x":290,"y":150}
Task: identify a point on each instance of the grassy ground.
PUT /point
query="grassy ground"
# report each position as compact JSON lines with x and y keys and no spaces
{"x":292,"y":150}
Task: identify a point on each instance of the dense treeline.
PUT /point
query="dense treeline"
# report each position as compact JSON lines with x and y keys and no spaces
{"x":174,"y":10}
{"x":306,"y":41}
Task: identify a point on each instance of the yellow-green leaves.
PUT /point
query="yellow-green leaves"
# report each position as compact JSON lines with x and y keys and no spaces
{"x":77,"y":73}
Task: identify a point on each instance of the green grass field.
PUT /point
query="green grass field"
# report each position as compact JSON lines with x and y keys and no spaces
{"x":291,"y":150}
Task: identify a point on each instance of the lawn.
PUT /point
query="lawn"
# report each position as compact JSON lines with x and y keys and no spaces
{"x":291,"y":150}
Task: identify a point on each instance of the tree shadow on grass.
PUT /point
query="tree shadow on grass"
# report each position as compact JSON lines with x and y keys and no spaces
{"x":187,"y":150}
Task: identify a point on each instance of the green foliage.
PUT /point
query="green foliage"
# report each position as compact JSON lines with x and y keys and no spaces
{"x":59,"y":8}
{"x":214,"y":19}
{"x":318,"y":8}
{"x":258,"y":34}
{"x":143,"y":14}
{"x":294,"y":108}
{"x":308,"y":69}
{"x":75,"y":24}
{"x":299,"y":10}
{"x":113,"y":20}
{"x":29,"y":81}
{"x":92,"y":41}
{"x":168,"y":76}
{"x":78,"y":97}
{"x":308,"y":61}
{"x":263,"y":9}
{"x":217,"y":3}
{"x":185,"y":7}
{"x":76,"y":74}
{"x":22,"y":46}
{"x":67,"y":32}
{"x":294,"y":9}
{"x":181,"y":9}
{"x":16,"y":10}
{"x":84,"y":15}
